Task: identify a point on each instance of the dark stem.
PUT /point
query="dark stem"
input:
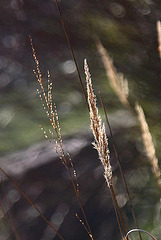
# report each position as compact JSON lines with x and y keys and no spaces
{"x":78,"y":198}
{"x":118,"y":209}
{"x":60,"y":142}
{"x":34,"y":206}
{"x":5,"y":220}
{"x":10,"y":213}
{"x":117,"y":216}
{"x":72,"y":51}
{"x":119,"y":163}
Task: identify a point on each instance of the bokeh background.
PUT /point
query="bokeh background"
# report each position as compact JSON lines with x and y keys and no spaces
{"x":127,"y":29}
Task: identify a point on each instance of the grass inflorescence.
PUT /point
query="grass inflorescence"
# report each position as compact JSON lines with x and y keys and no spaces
{"x":101,"y":142}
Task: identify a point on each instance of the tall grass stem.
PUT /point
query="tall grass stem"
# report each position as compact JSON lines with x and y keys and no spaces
{"x":119,"y":163}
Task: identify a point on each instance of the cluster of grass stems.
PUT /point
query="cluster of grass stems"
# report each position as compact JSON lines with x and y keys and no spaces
{"x":120,"y":87}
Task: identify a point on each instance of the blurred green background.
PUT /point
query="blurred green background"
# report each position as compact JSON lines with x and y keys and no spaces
{"x":127,"y":29}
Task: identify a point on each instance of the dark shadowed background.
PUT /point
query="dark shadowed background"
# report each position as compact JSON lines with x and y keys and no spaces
{"x":127,"y":29}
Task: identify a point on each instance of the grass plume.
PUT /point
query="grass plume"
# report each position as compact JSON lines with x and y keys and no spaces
{"x":148,"y":143}
{"x":117,"y":80}
{"x":159,"y":37}
{"x":121,"y":90}
{"x":98,"y":129}
{"x":120,"y":86}
{"x":101,"y":143}
{"x":51,"y":112}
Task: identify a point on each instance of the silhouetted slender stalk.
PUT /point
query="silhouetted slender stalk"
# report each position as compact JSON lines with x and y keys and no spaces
{"x":53,"y":118}
{"x":73,"y":55}
{"x":31,"y":203}
{"x":117,"y":212}
{"x":117,"y":216}
{"x":101,"y":140}
{"x":119,"y":163}
{"x":5,"y":220}
{"x":10,"y":213}
{"x":71,"y":49}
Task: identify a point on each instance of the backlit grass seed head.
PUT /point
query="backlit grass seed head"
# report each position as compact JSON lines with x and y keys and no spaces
{"x":148,"y":143}
{"x":50,"y":108}
{"x":48,"y":105}
{"x":98,"y":128}
{"x":117,"y":81}
{"x":159,"y":36}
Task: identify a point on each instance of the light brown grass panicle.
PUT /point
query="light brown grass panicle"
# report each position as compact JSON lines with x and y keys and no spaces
{"x":117,"y":80}
{"x":49,"y":107}
{"x":159,"y":36}
{"x":46,"y":96}
{"x":98,"y":128}
{"x":148,"y":143}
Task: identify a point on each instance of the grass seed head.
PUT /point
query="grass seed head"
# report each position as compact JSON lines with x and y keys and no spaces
{"x":98,"y":128}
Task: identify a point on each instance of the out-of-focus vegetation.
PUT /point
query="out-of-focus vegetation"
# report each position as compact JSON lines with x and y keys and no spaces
{"x":127,"y":29}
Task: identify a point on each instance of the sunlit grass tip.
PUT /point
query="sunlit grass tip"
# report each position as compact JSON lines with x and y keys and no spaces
{"x":148,"y":143}
{"x":98,"y":128}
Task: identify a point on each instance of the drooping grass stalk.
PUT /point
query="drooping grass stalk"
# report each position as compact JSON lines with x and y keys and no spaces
{"x":159,"y":37}
{"x":51,"y":112}
{"x":31,"y":203}
{"x":140,"y":230}
{"x":101,"y":141}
